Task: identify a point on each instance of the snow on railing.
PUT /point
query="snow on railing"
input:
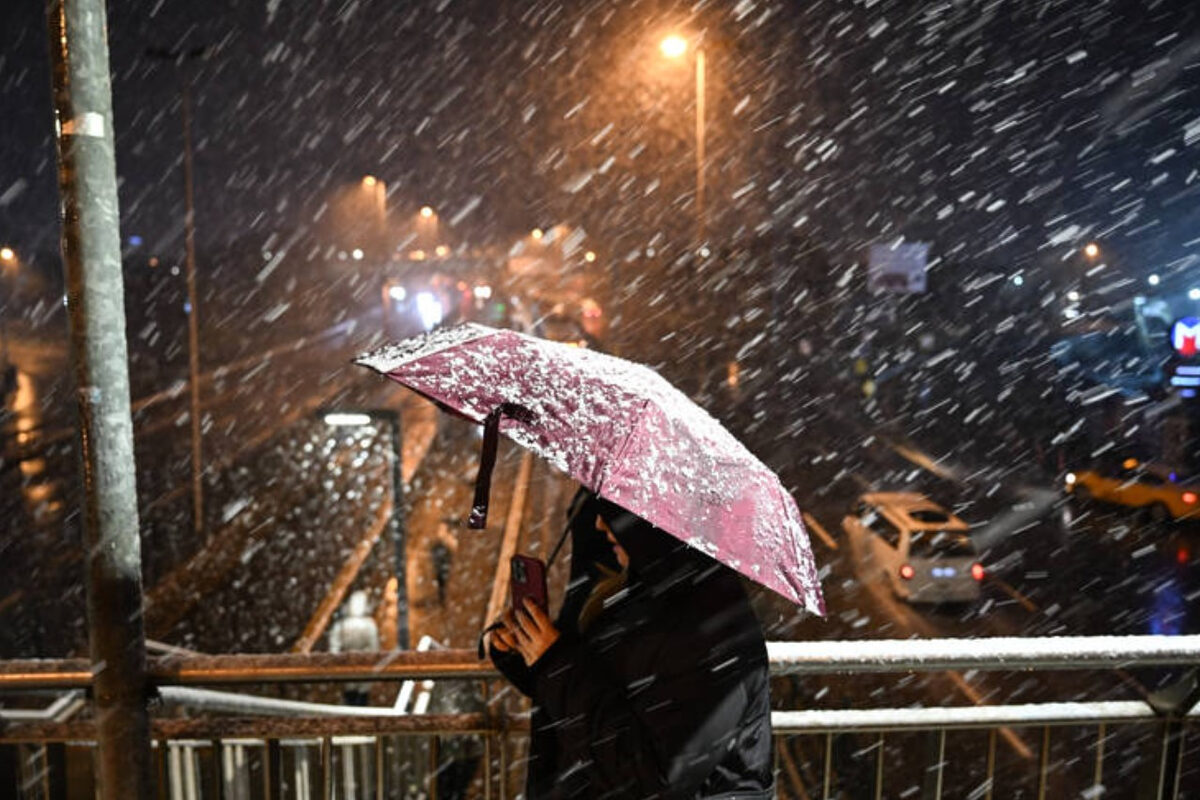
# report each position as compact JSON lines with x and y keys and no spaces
{"x":998,"y":653}
{"x":787,"y":658}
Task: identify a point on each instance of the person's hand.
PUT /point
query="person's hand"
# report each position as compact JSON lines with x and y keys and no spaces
{"x":528,"y":630}
{"x":497,"y":635}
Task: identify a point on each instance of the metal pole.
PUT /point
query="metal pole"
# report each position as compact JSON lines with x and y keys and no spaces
{"x":189,"y":224}
{"x":91,"y":246}
{"x":700,"y":76}
{"x":399,"y":557}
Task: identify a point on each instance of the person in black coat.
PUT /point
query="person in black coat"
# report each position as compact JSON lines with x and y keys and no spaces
{"x":653,"y":680}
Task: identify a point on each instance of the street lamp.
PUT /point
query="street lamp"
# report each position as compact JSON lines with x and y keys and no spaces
{"x":389,"y":421}
{"x":8,"y":255}
{"x":178,"y":57}
{"x":675,"y":46}
{"x":1092,"y":250}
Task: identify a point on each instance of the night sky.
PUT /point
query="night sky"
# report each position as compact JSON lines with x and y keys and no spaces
{"x":1006,"y":133}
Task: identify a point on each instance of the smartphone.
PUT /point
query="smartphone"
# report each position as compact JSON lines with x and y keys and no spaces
{"x":528,"y":580}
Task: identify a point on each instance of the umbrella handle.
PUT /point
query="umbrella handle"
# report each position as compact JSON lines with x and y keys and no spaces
{"x":487,"y":459}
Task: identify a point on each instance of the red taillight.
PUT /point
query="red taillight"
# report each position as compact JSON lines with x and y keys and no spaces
{"x":1189,"y":497}
{"x":977,"y":571}
{"x":907,"y":572}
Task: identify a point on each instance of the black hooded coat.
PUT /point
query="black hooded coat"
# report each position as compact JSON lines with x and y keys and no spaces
{"x":664,"y":692}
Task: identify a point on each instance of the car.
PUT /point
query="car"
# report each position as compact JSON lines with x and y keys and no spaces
{"x":1136,"y":484}
{"x":923,"y":551}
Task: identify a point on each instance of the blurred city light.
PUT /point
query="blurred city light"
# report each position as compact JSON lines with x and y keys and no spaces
{"x":1152,"y":280}
{"x":442,"y":250}
{"x":1018,"y":280}
{"x":1194,"y":294}
{"x":1092,"y":250}
{"x":345,"y":418}
{"x":1073,"y":296}
{"x":7,"y":254}
{"x":537,"y":234}
{"x":369,"y":180}
{"x":429,"y":310}
{"x":397,"y":293}
{"x":483,"y":292}
{"x":426,"y":212}
{"x":357,"y":254}
{"x":589,"y":256}
{"x":673,"y":46}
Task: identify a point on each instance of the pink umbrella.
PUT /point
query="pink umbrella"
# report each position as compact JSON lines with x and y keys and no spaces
{"x":622,"y":431}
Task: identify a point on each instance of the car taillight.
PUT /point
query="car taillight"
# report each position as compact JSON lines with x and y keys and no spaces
{"x":977,"y":571}
{"x":907,"y":572}
{"x":1189,"y":497}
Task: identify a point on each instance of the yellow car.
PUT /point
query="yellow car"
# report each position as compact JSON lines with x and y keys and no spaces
{"x":1138,"y":485}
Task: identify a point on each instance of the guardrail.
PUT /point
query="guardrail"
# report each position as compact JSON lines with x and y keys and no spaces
{"x":310,"y":737}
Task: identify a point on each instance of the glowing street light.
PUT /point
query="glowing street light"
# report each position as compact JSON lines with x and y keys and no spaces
{"x":8,"y":254}
{"x":1092,"y":250}
{"x":673,"y":46}
{"x":1153,"y":280}
{"x":589,"y":256}
{"x":426,"y":212}
{"x":537,"y":234}
{"x":369,"y":181}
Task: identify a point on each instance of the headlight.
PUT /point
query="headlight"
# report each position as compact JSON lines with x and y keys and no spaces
{"x":429,"y":309}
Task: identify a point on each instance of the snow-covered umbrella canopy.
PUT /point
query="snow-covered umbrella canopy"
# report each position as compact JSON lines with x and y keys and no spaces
{"x":623,"y":431}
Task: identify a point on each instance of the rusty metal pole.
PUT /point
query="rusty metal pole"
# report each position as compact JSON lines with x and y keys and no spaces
{"x":91,"y":248}
{"x":185,"y":100}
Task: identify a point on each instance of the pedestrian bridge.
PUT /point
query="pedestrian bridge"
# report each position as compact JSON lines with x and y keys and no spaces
{"x":250,"y":739}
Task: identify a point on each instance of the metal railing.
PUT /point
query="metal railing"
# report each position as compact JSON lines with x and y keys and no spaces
{"x":274,"y":748}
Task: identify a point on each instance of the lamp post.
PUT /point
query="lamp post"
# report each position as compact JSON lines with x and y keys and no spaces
{"x":676,"y":47}
{"x":385,"y":418}
{"x":193,"y":309}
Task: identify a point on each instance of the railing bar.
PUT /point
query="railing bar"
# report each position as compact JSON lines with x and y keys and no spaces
{"x":1179,"y":748}
{"x":191,"y":791}
{"x":794,"y":773}
{"x":379,"y":767}
{"x":827,"y":782}
{"x":1098,"y":774}
{"x":879,"y":768}
{"x":991,"y":765}
{"x":1044,"y":763}
{"x":56,"y":771}
{"x":487,"y":767}
{"x":218,"y":769}
{"x":273,"y":772}
{"x":161,"y":769}
{"x":435,"y":752}
{"x":327,"y":768}
{"x":908,"y":655}
{"x":941,"y":763}
{"x":503,"y":765}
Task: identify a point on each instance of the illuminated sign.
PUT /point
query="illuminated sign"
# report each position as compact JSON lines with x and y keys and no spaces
{"x":1185,"y":336}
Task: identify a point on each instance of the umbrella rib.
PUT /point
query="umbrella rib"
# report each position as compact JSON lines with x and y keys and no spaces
{"x":620,"y":452}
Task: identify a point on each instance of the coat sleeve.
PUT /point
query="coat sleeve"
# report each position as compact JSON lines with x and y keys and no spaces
{"x":664,"y":734}
{"x":513,"y":667}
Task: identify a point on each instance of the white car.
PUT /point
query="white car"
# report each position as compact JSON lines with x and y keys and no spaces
{"x":923,"y":551}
